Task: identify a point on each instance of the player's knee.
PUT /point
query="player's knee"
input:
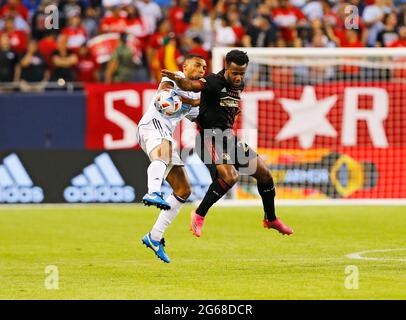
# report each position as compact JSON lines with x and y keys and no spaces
{"x":183,"y":192}
{"x":231,"y":178}
{"x":186,"y":192}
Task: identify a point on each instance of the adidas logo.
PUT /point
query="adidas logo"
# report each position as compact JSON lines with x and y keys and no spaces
{"x":99,"y":182}
{"x":16,"y":185}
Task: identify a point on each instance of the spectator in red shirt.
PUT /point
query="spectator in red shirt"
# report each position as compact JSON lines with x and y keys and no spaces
{"x":346,"y":37}
{"x":19,"y":22}
{"x":14,"y":5}
{"x":113,"y":21}
{"x":87,"y":68}
{"x":47,"y":46}
{"x":176,"y":16}
{"x":18,"y":39}
{"x":351,"y":39}
{"x":197,"y":48}
{"x":136,"y":25}
{"x":288,"y":18}
{"x":339,"y":32}
{"x":75,"y":33}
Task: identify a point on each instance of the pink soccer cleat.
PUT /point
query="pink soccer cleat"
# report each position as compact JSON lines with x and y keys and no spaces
{"x":196,"y":224}
{"x":278,"y":225}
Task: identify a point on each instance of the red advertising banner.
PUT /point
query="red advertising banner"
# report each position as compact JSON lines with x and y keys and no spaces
{"x":102,"y":46}
{"x":113,"y":112}
{"x":326,"y":173}
{"x":334,"y":140}
{"x":348,"y":114}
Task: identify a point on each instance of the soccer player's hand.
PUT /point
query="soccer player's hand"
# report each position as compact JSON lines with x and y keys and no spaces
{"x":171,"y":75}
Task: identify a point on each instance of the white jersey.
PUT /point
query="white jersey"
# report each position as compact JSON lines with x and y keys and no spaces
{"x":155,"y":126}
{"x":171,"y":121}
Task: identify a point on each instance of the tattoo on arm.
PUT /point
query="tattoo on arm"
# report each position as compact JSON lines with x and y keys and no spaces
{"x":191,"y":85}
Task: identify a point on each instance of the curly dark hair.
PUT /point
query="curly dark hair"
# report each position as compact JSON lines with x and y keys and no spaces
{"x":238,"y":57}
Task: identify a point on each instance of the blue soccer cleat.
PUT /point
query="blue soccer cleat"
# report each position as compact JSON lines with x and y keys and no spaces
{"x":157,"y":247}
{"x":155,"y":199}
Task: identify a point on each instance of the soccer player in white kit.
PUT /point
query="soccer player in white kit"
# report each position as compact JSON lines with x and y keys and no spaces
{"x":155,"y":131}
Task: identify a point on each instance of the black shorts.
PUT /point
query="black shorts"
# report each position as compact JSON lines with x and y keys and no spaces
{"x":216,"y":146}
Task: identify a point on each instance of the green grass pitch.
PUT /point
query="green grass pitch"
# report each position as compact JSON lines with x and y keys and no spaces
{"x":98,"y":253}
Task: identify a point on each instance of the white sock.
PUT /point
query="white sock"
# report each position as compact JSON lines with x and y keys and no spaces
{"x":156,"y":171}
{"x":165,"y":218}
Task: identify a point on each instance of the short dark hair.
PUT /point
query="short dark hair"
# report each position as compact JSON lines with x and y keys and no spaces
{"x":237,"y":56}
{"x":193,"y":55}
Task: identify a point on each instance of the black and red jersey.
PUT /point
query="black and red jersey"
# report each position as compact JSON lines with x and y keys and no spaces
{"x":219,"y":103}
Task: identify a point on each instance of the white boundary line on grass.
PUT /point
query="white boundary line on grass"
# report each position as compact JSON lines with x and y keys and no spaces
{"x":359,"y":255}
{"x":321,"y":202}
{"x":230,"y":203}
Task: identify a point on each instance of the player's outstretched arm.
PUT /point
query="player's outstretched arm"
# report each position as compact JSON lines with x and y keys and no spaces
{"x":191,"y":102}
{"x":184,"y":84}
{"x":165,"y":85}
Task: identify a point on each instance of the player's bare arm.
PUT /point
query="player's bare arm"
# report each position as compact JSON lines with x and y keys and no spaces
{"x":193,"y":102}
{"x":165,"y":85}
{"x":184,"y":84}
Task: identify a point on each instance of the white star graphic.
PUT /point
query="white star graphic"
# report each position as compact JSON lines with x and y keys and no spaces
{"x":307,"y":118}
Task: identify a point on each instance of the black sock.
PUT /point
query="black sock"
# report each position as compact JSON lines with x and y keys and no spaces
{"x":267,"y":193}
{"x":216,"y":191}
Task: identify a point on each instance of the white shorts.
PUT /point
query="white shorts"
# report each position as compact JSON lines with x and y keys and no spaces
{"x":151,"y":134}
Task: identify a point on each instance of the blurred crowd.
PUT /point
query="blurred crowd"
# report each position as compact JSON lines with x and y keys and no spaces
{"x":48,"y":40}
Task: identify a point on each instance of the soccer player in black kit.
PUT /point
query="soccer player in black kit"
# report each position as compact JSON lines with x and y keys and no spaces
{"x":219,"y":107}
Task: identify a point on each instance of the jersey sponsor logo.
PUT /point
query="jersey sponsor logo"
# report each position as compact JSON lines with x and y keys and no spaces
{"x":229,"y":102}
{"x":16,"y":185}
{"x":229,"y":98}
{"x":99,"y":182}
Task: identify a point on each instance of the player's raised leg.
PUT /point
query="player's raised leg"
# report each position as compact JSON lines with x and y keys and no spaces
{"x":178,"y":180}
{"x":226,"y":177}
{"x":160,"y":158}
{"x":266,"y":189}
